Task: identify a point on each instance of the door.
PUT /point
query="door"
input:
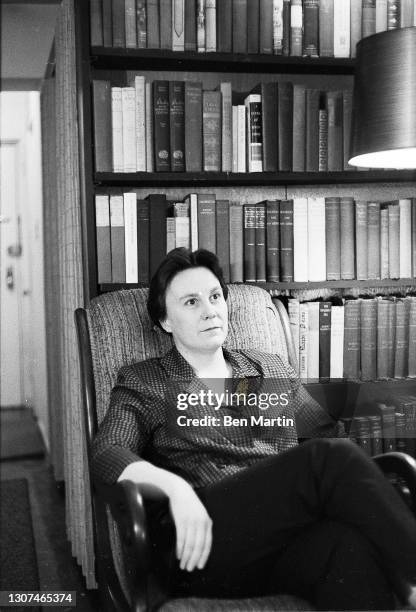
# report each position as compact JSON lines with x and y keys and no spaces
{"x":11,"y":375}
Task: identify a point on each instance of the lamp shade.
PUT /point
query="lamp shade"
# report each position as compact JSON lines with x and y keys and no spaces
{"x":384,"y":101}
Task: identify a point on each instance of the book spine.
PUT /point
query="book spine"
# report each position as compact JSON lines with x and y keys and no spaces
{"x":388,"y":422}
{"x":130,"y":23}
{"x":239,"y":26}
{"x":161,"y":127}
{"x":407,"y":8}
{"x":200,"y":26}
{"x":193,"y":126}
{"x":400,"y":432}
{"x":143,"y":241}
{"x":206,"y":222}
{"x":210,"y":26}
{"x":182,"y":238}
{"x":107,"y":24}
{"x":149,"y":127}
{"x":324,"y":340}
{"x":335,"y":129}
{"x":312,"y":131}
{"x":337,"y":342}
{"x":266,"y":27}
{"x":165,"y":24}
{"x":381,"y":15}
{"x":102,"y":224}
{"x":300,"y":239}
{"x":178,"y":25}
{"x":141,"y":24}
{"x":299,"y":128}
{"x":355,"y":21}
{"x":253,"y":25}
{"x":286,"y":27}
{"x":140,"y":87}
{"x":296,"y":27}
{"x":177,"y":125}
{"x":118,"y":258}
{"x":128,"y":105}
{"x":130,"y":236}
{"x":394,"y":240}
{"x":193,"y":213}
{"x":293,"y":308}
{"x":249,"y":243}
{"x":157,"y":230}
{"x":326,"y":28}
{"x":117,"y":129}
{"x":285,"y":126}
{"x":260,"y":242}
{"x":223,"y":237}
{"x":118,"y":23}
{"x":277,"y":27}
{"x":152,"y":23}
{"x":241,"y":138}
{"x":225,"y":25}
{"x":352,"y":339}
{"x":347,"y":238}
{"x":333,"y":238}
{"x":236,"y":244}
{"x":316,"y":239}
{"x":234,"y":113}
{"x":254,"y":133}
{"x":401,"y":340}
{"x":368,"y":23}
{"x":405,"y":243}
{"x":102,"y":120}
{"x":269,"y":126}
{"x":384,"y":242}
{"x":382,"y":339}
{"x":323,"y":140}
{"x":393,"y":14}
{"x":272,"y":241}
{"x":211,"y":130}
{"x":411,"y":363}
{"x":311,"y":27}
{"x":362,"y":427}
{"x":413,"y":236}
{"x":368,"y":339}
{"x":190,"y":25}
{"x":342,"y":31}
{"x":96,"y":23}
{"x":313,"y":341}
{"x":361,"y":229}
{"x":170,"y":234}
{"x":346,"y":126}
{"x":286,"y":241}
{"x":375,"y":434}
{"x":303,"y":340}
{"x":391,"y":327}
{"x":226,"y":127}
{"x":373,"y":240}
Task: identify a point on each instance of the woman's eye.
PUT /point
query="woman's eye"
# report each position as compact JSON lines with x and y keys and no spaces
{"x":190,"y":302}
{"x":215,"y":296}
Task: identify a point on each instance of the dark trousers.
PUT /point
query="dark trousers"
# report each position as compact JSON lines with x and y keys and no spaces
{"x":320,"y":521}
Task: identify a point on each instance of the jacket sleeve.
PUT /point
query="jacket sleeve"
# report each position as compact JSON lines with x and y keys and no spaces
{"x":124,"y":431}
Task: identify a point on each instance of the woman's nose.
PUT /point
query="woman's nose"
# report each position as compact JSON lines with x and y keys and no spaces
{"x":208,"y":311}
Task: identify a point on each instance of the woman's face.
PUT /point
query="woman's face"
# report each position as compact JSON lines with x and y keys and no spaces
{"x":196,"y":312}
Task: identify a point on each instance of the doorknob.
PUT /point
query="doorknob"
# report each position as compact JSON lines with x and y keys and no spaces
{"x":10,"y":278}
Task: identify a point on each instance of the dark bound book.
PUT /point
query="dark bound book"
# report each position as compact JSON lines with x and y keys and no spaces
{"x":177,"y":125}
{"x":266,"y":27}
{"x":272,"y":241}
{"x":239,"y":26}
{"x":347,"y":238}
{"x":118,"y":23}
{"x":143,"y":234}
{"x":260,"y":242}
{"x":324,"y":340}
{"x":373,"y":240}
{"x":96,"y":23}
{"x":312,"y":130}
{"x":285,"y":126}
{"x":249,"y":243}
{"x":211,"y":130}
{"x":158,"y":206}
{"x":153,"y":28}
{"x":193,"y":126}
{"x":310,"y":27}
{"x":333,"y":238}
{"x":223,"y":236}
{"x":299,"y":128}
{"x":335,"y":136}
{"x":165,"y":24}
{"x":236,"y":243}
{"x":107,"y":23}
{"x":225,"y":26}
{"x":206,"y":222}
{"x":286,"y":28}
{"x":141,"y":24}
{"x":268,"y":93}
{"x":368,"y":339}
{"x":103,"y":152}
{"x":326,"y":28}
{"x":352,"y":324}
{"x":253,"y":21}
{"x":401,"y":339}
{"x":190,"y":25}
{"x":161,"y":128}
{"x":394,"y":240}
{"x":375,"y":434}
{"x":361,"y":227}
{"x":286,"y":240}
{"x":388,"y":426}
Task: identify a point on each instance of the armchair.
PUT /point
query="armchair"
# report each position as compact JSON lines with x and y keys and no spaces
{"x":115,"y":330}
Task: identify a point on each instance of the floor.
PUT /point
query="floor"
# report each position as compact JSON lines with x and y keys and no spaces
{"x":58,"y":570}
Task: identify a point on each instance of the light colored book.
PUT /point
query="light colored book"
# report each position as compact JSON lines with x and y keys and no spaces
{"x":130,"y":236}
{"x":178,"y":25}
{"x":405,"y":207}
{"x":384,"y":242}
{"x":313,"y":341}
{"x":356,"y":11}
{"x":381,"y":15}
{"x":241,"y":138}
{"x":200,"y":26}
{"x":342,"y":29}
{"x":170,"y":234}
{"x":300,"y":239}
{"x":182,"y":237}
{"x":337,"y":342}
{"x":277,"y":27}
{"x":130,"y":23}
{"x":316,"y":240}
{"x":226,"y":121}
{"x":234,"y":138}
{"x":192,"y":201}
{"x":254,"y":142}
{"x":294,"y":314}
{"x":149,"y":128}
{"x":303,"y":340}
{"x":128,"y":101}
{"x":210,"y":26}
{"x":117,"y":129}
{"x":140,"y":87}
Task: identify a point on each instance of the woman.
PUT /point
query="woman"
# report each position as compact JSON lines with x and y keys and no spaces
{"x":253,"y":511}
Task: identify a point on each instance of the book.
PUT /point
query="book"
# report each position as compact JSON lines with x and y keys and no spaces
{"x":386,"y":325}
{"x":407,"y":11}
{"x":266,"y":27}
{"x":161,"y":126}
{"x":249,"y":243}
{"x":141,"y":24}
{"x":401,"y":340}
{"x":368,"y":23}
{"x":130,"y":23}
{"x":413,"y":235}
{"x":334,"y":101}
{"x":312,"y":130}
{"x":346,"y":126}
{"x":190,"y":25}
{"x":239,"y":21}
{"x":206,"y":222}
{"x":296,"y":27}
{"x":373,"y":240}
{"x":381,"y":15}
{"x":333,"y":238}
{"x":103,"y":158}
{"x":236,"y":244}
{"x":323,"y":139}
{"x":384,"y":241}
{"x":254,"y":133}
{"x":352,"y":340}
{"x":177,"y":125}
{"x":293,"y":308}
{"x":182,"y":224}
{"x":316,"y":239}
{"x":310,"y":28}
{"x":211,"y":130}
{"x":149,"y":127}
{"x":103,"y":237}
{"x":285,"y":126}
{"x":210,"y":26}
{"x":130,"y":236}
{"x":336,"y":369}
{"x":200,"y":26}
{"x":324,"y":340}
{"x":118,"y":23}
{"x":117,"y":129}
{"x":178,"y":25}
{"x":388,"y":422}
{"x":286,"y":27}
{"x":234,"y":148}
{"x":299,"y":128}
{"x":272,"y":240}
{"x":313,"y":341}
{"x":411,"y":363}
{"x":165,"y":24}
{"x":157,"y":230}
{"x":394,"y":240}
{"x":286,"y":240}
{"x":393,"y":14}
{"x":222,"y":225}
{"x":226,"y":127}
{"x":96,"y":23}
{"x":118,"y":257}
{"x":405,"y":233}
{"x":355,"y":25}
{"x":107,"y":23}
{"x":303,"y":340}
{"x":300,"y":239}
{"x":253,"y":21}
{"x":192,"y":201}
{"x":347,"y":214}
{"x":260,"y":242}
{"x":368,"y":339}
{"x":277,"y":27}
{"x":170,"y":234}
{"x":143,"y":241}
{"x":326,"y":28}
{"x":342,"y":31}
{"x":269,"y":118}
{"x":361,"y":228}
{"x":128,"y":109}
{"x":374,"y":421}
{"x":362,"y":428}
{"x":152,"y":24}
{"x":193,"y":126}
{"x":241,"y":138}
{"x":225,"y":25}
{"x":140,"y":98}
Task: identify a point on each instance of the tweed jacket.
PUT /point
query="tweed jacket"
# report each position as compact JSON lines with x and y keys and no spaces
{"x":146,"y":420}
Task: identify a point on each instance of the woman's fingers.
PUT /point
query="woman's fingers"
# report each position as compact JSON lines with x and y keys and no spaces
{"x":207,"y":546}
{"x":198,"y":545}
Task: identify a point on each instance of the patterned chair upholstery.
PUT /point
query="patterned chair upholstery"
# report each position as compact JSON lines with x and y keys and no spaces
{"x":115,"y":330}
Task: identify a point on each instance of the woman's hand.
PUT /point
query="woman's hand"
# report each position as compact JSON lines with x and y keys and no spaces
{"x":193,"y":526}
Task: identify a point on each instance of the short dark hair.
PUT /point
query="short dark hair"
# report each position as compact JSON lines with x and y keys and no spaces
{"x":176,"y":261}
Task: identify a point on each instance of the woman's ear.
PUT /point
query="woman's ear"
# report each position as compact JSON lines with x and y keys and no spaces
{"x":166,"y":326}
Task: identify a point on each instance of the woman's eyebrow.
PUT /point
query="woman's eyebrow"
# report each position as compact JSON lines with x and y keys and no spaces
{"x":191,"y":295}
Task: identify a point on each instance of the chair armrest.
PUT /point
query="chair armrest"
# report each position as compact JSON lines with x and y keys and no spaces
{"x":404,"y":466}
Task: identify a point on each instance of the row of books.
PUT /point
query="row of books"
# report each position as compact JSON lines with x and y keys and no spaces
{"x":388,"y":426}
{"x":355,"y":339}
{"x":300,"y":240}
{"x":326,"y":28}
{"x":176,"y":126}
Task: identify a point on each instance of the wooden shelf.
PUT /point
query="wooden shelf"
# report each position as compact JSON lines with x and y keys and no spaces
{"x":228,"y":179}
{"x":111,"y":58}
